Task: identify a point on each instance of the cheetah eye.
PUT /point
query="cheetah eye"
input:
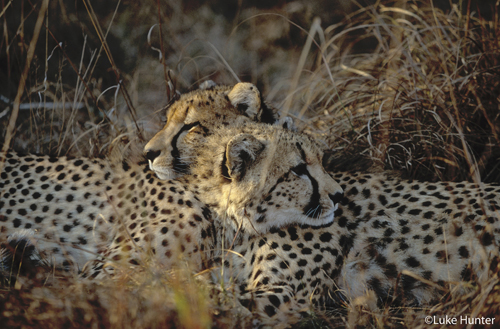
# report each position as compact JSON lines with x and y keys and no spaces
{"x":198,"y":129}
{"x":194,"y":128}
{"x":300,"y":170}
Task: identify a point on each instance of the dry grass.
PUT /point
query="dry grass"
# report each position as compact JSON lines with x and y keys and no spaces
{"x":423,"y":100}
{"x":399,"y":85}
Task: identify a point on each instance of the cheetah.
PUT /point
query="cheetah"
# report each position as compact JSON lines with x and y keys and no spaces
{"x":399,"y":239}
{"x":79,"y":208}
{"x":198,"y":113}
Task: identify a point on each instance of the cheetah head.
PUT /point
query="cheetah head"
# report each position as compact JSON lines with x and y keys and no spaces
{"x":265,"y":176}
{"x":194,"y":116}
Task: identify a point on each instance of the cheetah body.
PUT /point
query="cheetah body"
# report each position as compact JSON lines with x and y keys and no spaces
{"x":76,"y":208}
{"x":372,"y":246}
{"x":79,"y":209}
{"x":400,"y":239}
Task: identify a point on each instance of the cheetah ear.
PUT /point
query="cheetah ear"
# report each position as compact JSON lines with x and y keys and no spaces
{"x":207,"y":84}
{"x":246,"y":98}
{"x":287,"y":123}
{"x":241,"y":152}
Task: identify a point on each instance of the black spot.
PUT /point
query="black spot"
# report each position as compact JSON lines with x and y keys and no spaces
{"x":308,"y":236}
{"x":306,"y":251}
{"x":302,"y":262}
{"x":467,"y":274}
{"x":357,"y":210}
{"x":269,"y":310}
{"x":271,"y":257}
{"x":292,"y":231}
{"x":390,"y":270}
{"x":388,"y":232}
{"x":407,"y":282}
{"x":428,"y":239}
{"x":380,"y":260}
{"x":429,"y":215}
{"x":353,"y":191}
{"x":486,"y":239}
{"x":394,"y":205}
{"x":376,"y":286}
{"x":299,"y":274}
{"x":17,"y":222}
{"x":325,"y":237}
{"x":403,"y":245}
{"x":463,"y":252}
{"x":412,"y":262}
{"x":352,"y":226}
{"x":346,"y":242}
{"x":274,"y":300}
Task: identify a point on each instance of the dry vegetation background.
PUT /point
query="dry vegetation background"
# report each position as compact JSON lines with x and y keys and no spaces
{"x":411,"y":86}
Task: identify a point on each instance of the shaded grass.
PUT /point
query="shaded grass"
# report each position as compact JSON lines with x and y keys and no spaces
{"x":423,"y":101}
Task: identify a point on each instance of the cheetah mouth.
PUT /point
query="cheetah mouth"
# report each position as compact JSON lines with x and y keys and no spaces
{"x":329,"y":216}
{"x":323,"y":214}
{"x":162,"y":174}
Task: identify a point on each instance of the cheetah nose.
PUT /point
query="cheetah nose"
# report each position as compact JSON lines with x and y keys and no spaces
{"x":337,"y":197}
{"x":151,"y":155}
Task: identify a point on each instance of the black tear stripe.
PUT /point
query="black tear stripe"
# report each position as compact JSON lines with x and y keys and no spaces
{"x":314,"y":200}
{"x":301,"y":169}
{"x":266,"y":114}
{"x":224,"y":172}
{"x":179,"y":166}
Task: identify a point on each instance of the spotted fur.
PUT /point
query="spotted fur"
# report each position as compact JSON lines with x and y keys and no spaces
{"x":400,"y":239}
{"x":80,"y":208}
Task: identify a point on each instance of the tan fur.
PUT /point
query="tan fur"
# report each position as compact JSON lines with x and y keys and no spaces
{"x":241,"y":102}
